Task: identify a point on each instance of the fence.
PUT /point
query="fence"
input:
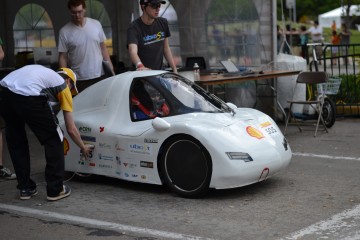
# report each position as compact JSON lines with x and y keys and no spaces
{"x":343,"y":61}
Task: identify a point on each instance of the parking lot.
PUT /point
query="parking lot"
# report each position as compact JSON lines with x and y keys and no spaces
{"x":318,"y":196}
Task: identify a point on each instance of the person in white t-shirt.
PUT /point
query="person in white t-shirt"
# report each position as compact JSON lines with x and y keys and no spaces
{"x":316,"y":33}
{"x":28,"y":95}
{"x":82,"y":46}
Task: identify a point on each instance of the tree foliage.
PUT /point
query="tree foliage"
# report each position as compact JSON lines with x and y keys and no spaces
{"x":311,"y":9}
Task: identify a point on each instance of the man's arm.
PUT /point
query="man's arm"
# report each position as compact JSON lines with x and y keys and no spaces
{"x":74,"y":133}
{"x":62,"y":59}
{"x":134,"y":57}
{"x":2,"y":54}
{"x":106,"y":56}
{"x":168,"y":55}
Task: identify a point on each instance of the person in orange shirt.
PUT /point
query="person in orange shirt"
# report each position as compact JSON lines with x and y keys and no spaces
{"x":333,"y":26}
{"x":335,"y":40}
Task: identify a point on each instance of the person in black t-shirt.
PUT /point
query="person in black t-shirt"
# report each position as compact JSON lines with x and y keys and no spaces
{"x":147,"y":38}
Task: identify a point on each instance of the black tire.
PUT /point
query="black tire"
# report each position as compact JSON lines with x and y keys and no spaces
{"x":328,"y":112}
{"x":185,"y":166}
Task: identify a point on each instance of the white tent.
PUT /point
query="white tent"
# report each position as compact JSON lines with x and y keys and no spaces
{"x":326,"y":19}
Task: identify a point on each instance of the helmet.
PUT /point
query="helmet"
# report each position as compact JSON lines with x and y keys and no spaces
{"x":68,"y":73}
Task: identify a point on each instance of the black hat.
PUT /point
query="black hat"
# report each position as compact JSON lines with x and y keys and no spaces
{"x":143,"y":2}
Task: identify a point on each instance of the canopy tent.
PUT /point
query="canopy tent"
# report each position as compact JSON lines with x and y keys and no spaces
{"x":326,"y":19}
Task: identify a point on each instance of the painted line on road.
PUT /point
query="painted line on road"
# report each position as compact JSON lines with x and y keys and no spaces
{"x":97,"y":223}
{"x":325,"y":156}
{"x":348,"y":219}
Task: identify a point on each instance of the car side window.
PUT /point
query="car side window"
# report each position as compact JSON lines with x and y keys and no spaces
{"x":146,"y":101}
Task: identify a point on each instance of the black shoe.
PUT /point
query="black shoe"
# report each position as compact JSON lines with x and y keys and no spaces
{"x":63,"y":194}
{"x":26,"y":194}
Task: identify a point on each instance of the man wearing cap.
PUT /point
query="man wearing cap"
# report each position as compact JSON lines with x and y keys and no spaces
{"x":148,"y":38}
{"x":27,"y":96}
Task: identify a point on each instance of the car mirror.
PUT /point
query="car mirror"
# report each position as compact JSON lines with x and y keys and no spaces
{"x":160,"y":124}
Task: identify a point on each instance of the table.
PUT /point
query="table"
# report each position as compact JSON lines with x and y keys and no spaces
{"x":215,"y":79}
{"x":220,"y":79}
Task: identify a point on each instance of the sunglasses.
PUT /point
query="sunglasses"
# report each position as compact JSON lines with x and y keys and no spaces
{"x":155,"y":5}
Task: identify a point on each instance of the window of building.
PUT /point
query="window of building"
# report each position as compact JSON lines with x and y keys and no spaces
{"x":33,"y":28}
{"x":96,"y":10}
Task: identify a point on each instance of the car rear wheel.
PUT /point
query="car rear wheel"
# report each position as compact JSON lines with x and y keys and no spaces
{"x":186,"y":166}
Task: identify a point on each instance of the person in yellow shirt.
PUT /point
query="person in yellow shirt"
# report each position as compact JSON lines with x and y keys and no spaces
{"x":28,"y":97}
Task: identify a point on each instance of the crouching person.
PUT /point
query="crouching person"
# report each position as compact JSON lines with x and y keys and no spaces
{"x":27,"y":96}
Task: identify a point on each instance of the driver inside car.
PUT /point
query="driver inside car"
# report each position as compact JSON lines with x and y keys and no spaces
{"x":147,"y":105}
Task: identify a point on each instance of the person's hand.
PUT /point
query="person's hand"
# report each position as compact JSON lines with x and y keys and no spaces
{"x":141,"y":68}
{"x":87,"y":150}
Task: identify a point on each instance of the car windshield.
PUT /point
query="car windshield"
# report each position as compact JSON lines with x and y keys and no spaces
{"x":169,"y":95}
{"x":191,"y":95}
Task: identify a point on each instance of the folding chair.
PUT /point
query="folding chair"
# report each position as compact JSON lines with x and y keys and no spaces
{"x":315,"y":103}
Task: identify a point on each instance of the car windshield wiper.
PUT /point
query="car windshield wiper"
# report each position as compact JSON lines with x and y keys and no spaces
{"x":214,"y":100}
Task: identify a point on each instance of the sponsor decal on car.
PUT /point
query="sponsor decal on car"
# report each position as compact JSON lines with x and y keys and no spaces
{"x":151,"y":140}
{"x":130,"y":165}
{"x":105,"y":166}
{"x":118,"y":161}
{"x":85,"y":162}
{"x":105,"y":157}
{"x":83,"y":129}
{"x":145,"y":164}
{"x":88,"y":138}
{"x":253,"y":132}
{"x":104,"y":145}
{"x":140,"y":148}
{"x":119,"y":148}
{"x":269,"y":128}
{"x":101,"y":129}
{"x":265,"y":124}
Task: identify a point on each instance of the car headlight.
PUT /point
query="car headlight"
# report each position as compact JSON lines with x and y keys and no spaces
{"x":239,"y":156}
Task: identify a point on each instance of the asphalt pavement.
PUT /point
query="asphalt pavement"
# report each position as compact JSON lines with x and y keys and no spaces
{"x":316,"y":197}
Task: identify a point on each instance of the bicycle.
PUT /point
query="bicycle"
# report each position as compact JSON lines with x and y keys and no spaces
{"x":330,"y":88}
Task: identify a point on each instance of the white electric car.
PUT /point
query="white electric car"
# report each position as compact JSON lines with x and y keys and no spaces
{"x":157,"y":127}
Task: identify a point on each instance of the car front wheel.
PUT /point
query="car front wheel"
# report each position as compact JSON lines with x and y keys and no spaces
{"x":186,"y":166}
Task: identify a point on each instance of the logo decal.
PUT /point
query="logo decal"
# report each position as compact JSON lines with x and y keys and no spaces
{"x":140,"y":148}
{"x":150,"y":140}
{"x":85,"y":129}
{"x":254,"y":132}
{"x":66,"y":146}
{"x":146,"y":164}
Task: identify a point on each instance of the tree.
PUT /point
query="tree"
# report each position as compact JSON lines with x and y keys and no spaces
{"x":347,"y":5}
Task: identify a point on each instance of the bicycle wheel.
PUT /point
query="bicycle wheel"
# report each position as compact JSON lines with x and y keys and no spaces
{"x":328,"y":112}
